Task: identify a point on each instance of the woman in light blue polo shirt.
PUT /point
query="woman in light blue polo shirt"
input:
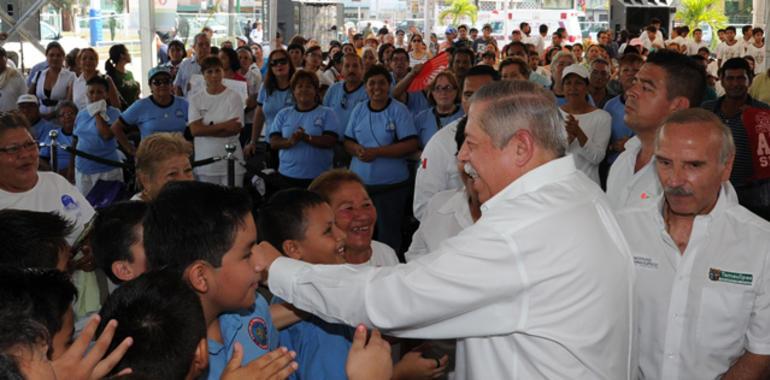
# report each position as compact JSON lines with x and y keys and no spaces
{"x":380,"y":135}
{"x":162,"y":111}
{"x":304,"y":134}
{"x":274,"y":95}
{"x":444,"y":94}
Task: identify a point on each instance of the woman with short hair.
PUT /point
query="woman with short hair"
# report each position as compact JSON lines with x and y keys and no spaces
{"x":162,"y":158}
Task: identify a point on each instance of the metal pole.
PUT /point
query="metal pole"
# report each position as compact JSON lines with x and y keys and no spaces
{"x":230,"y":149}
{"x":53,"y":149}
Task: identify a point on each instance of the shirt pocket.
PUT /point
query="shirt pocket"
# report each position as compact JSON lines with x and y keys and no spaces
{"x":723,"y":318}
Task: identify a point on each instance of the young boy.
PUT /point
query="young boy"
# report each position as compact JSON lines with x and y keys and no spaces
{"x":301,"y":226}
{"x":32,"y":239}
{"x":216,"y":119}
{"x":165,"y":318}
{"x":206,"y":234}
{"x":116,"y":241}
{"x":92,"y":129}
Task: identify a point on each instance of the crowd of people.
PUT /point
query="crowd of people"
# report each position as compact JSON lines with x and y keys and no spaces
{"x":536,"y":209}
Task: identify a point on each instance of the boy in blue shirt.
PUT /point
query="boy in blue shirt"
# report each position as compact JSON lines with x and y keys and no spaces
{"x":207,"y":235}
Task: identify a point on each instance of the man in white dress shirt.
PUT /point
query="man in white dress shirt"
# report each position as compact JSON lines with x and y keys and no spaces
{"x":702,"y":261}
{"x":667,"y":82}
{"x":540,"y":287}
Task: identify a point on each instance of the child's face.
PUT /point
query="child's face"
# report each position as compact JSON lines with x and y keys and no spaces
{"x":96,"y":93}
{"x":213,"y":76}
{"x":236,"y":281}
{"x":324,"y":242}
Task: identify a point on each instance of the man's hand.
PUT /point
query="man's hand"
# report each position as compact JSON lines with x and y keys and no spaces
{"x":413,"y":366}
{"x":266,"y":254}
{"x":75,"y":364}
{"x":274,"y":365}
{"x":369,"y":361}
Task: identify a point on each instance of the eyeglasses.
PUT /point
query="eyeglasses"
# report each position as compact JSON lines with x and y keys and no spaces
{"x":446,"y":88}
{"x":279,"y":62}
{"x":161,"y":82}
{"x":16,"y":148}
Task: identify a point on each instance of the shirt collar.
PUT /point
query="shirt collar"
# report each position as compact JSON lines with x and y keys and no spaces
{"x":531,"y":181}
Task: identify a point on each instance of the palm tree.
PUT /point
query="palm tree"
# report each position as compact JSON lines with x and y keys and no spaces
{"x":693,"y":13}
{"x":457,"y":10}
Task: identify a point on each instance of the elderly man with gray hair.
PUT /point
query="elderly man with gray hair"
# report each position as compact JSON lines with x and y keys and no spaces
{"x":702,"y":261}
{"x":541,"y":286}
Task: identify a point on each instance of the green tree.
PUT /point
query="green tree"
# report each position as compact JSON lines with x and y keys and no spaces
{"x":693,"y":13}
{"x":457,"y":10}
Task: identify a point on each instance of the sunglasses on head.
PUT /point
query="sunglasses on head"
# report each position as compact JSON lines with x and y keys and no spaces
{"x":279,"y":62}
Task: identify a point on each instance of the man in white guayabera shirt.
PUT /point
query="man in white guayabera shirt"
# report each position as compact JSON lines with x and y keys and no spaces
{"x":702,"y":261}
{"x":541,"y":286}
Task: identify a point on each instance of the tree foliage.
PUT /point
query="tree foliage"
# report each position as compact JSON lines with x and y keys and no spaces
{"x":458,"y":10}
{"x":694,"y":13}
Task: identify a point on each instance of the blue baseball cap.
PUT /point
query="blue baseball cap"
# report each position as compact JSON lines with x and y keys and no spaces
{"x":158,"y":70}
{"x":450,"y":30}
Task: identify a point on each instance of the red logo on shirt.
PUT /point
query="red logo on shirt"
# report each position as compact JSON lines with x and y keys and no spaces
{"x":424,"y":163}
{"x":644,"y":196}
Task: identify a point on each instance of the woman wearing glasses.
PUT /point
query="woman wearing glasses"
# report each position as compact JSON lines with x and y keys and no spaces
{"x":444,"y":94}
{"x":162,"y":111}
{"x":379,"y":136}
{"x":274,"y":96}
{"x":304,"y":134}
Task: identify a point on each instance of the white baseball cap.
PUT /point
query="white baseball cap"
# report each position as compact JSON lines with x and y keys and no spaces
{"x":27,"y":98}
{"x":577,"y":69}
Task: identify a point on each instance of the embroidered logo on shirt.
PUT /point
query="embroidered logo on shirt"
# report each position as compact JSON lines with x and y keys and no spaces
{"x":644,"y":196}
{"x":179,"y":114}
{"x":645,"y":262}
{"x":69,"y":203}
{"x":258,"y":332}
{"x":731,"y":277}
{"x":424,"y":163}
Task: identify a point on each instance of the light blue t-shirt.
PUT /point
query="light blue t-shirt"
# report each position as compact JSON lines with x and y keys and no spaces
{"x":273,"y":103}
{"x":187,"y":68}
{"x":427,"y":125}
{"x":373,"y":129}
{"x":62,"y":155}
{"x":40,"y":130}
{"x":322,"y":348}
{"x":617,"y":109}
{"x":90,"y":141}
{"x":253,"y":329}
{"x":416,"y":102}
{"x":343,"y":102}
{"x":304,"y":161}
{"x":150,"y":117}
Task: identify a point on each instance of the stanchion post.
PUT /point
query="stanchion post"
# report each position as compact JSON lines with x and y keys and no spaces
{"x":53,"y":149}
{"x":230,"y":149}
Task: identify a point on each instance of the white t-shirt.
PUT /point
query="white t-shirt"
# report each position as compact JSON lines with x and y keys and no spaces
{"x":597,"y":126}
{"x":212,"y":109}
{"x":759,"y":57}
{"x":629,"y":188}
{"x":382,"y":255}
{"x":52,"y":193}
{"x":725,"y":51}
{"x":11,"y":87}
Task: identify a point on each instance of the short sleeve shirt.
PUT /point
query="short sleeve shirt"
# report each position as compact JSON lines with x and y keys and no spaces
{"x":90,"y":141}
{"x":305,"y":161}
{"x":342,"y":101}
{"x":427,"y":121}
{"x":373,"y":129}
{"x":272,"y":103}
{"x":150,"y":117}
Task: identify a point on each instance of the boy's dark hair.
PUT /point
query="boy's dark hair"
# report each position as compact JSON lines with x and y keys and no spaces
{"x":462,"y":26}
{"x":399,"y":51}
{"x":9,"y":368}
{"x":211,"y":62}
{"x":295,"y":47}
{"x":471,"y":30}
{"x":730,"y":28}
{"x":191,"y":221}
{"x":19,"y":330}
{"x":32,"y":239}
{"x":376,"y":70}
{"x":99,"y":80}
{"x":41,"y":295}
{"x":460,"y":133}
{"x":543,"y":28}
{"x":683,"y":76}
{"x":736,"y":64}
{"x":178,"y":44}
{"x":481,"y":70}
{"x":114,"y":232}
{"x":164,"y":317}
{"x":283,"y":216}
{"x":463,"y":50}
